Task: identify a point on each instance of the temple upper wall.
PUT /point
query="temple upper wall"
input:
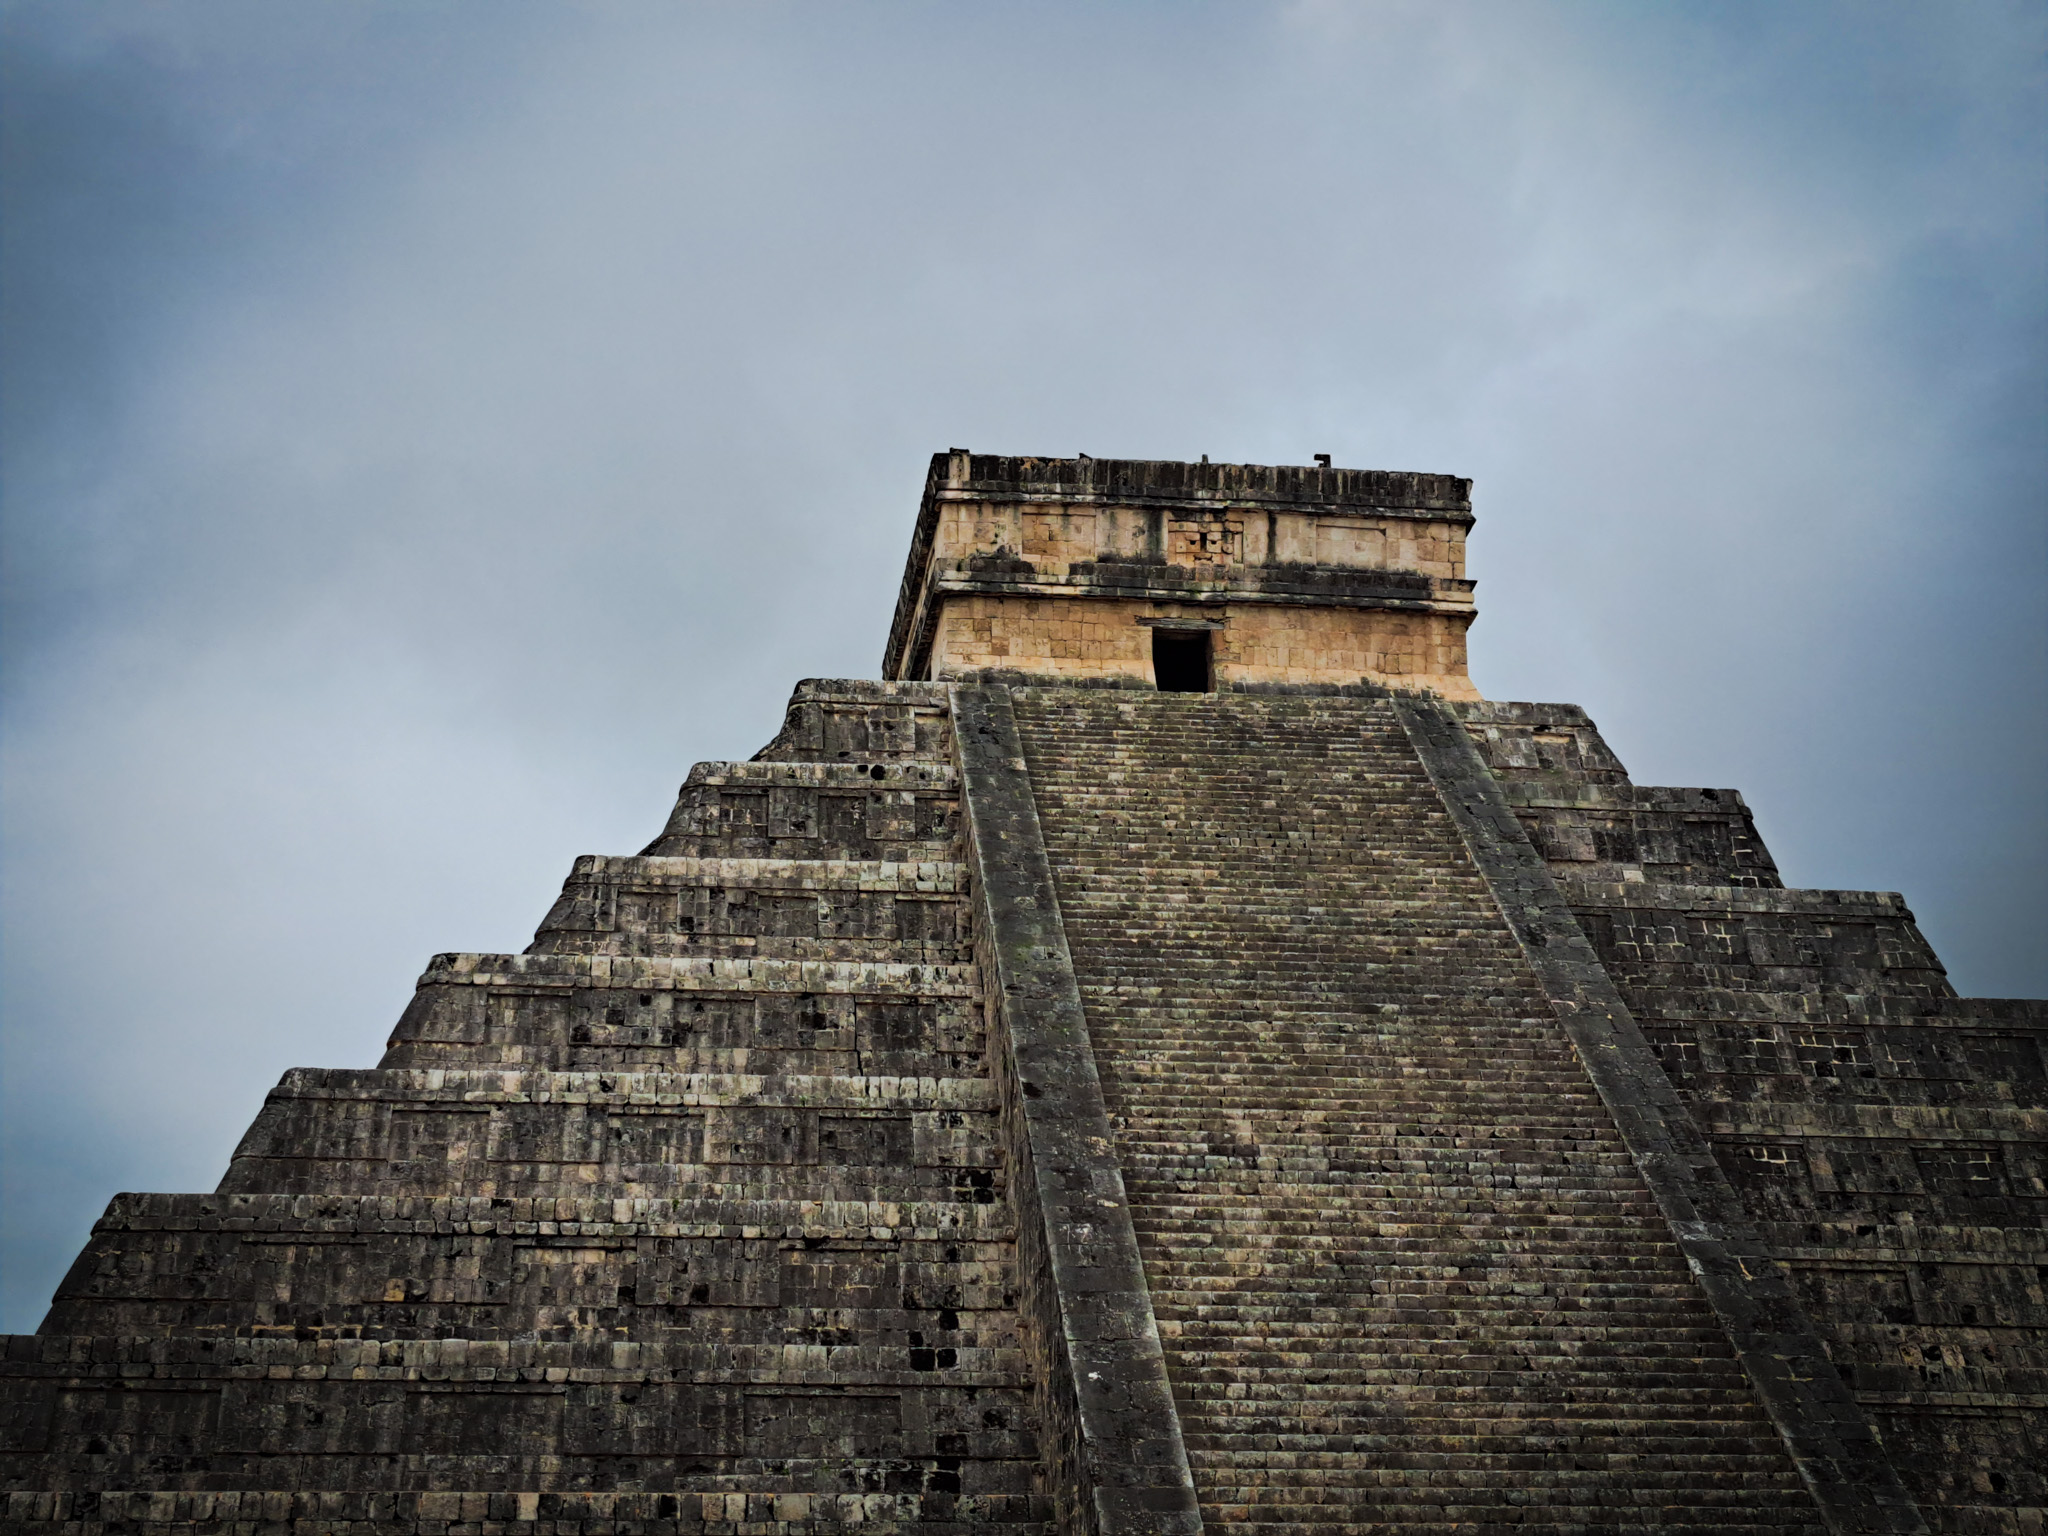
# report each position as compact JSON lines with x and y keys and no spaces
{"x":1059,"y":538}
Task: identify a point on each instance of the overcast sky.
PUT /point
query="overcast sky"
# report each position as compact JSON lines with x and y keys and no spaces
{"x":429,"y":428}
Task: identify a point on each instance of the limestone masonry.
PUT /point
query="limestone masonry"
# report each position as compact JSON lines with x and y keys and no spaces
{"x":1171,"y":1056}
{"x":1072,"y":570}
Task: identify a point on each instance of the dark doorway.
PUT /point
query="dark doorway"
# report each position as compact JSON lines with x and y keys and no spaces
{"x":1180,"y":660}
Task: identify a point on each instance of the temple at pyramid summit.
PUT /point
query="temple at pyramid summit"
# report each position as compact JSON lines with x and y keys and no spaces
{"x":1169,"y":1056}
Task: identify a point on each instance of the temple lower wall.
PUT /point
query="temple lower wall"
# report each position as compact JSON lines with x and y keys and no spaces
{"x":1097,"y":637}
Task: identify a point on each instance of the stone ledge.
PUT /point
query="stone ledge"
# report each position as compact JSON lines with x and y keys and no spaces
{"x":1648,"y":895}
{"x":903,"y":1232}
{"x":1954,"y":1402}
{"x":687,"y":973}
{"x":1993,"y":1247}
{"x":517,"y":1512}
{"x":564,"y":1212}
{"x":1484,"y":712}
{"x":1576,"y":795}
{"x":861,"y":690}
{"x":1867,"y":1122}
{"x":446,"y":1363}
{"x":1155,"y":482}
{"x":631,"y":1091}
{"x":942,"y":877}
{"x":1666,"y":1006}
{"x":893,"y":773}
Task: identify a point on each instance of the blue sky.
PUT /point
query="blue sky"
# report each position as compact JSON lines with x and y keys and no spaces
{"x":429,"y":428}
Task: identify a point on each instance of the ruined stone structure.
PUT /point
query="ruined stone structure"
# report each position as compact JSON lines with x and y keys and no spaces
{"x":1172,"y":1056}
{"x":1099,"y":570}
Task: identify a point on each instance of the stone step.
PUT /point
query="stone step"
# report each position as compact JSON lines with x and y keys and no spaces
{"x":556,"y":1215}
{"x":847,"y":719}
{"x":795,"y":947}
{"x":833,"y":909}
{"x":719,"y":1502}
{"x":630,"y":1090}
{"x":627,"y":1135}
{"x":899,"y":811}
{"x":359,"y":1365}
{"x":946,"y":1048}
{"x":657,"y":973}
{"x":549,"y":1008}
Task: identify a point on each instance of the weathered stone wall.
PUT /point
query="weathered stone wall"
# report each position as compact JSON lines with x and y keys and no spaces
{"x":1886,"y":1135}
{"x":1077,"y":638}
{"x":1050,"y":567}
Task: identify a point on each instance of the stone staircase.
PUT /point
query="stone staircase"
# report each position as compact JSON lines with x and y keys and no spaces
{"x":692,"y":1218}
{"x":1406,"y":1275}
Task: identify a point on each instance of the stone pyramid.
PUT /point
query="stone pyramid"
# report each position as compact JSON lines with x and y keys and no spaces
{"x":1171,"y":1057}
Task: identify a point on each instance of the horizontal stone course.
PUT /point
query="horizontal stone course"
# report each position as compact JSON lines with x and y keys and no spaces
{"x":877,"y":912}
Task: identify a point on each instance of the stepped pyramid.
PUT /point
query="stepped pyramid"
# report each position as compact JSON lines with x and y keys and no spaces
{"x":1171,"y":1057}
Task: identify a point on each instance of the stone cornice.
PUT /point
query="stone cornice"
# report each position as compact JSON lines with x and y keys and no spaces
{"x":1157,"y":482}
{"x":1297,"y":586}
